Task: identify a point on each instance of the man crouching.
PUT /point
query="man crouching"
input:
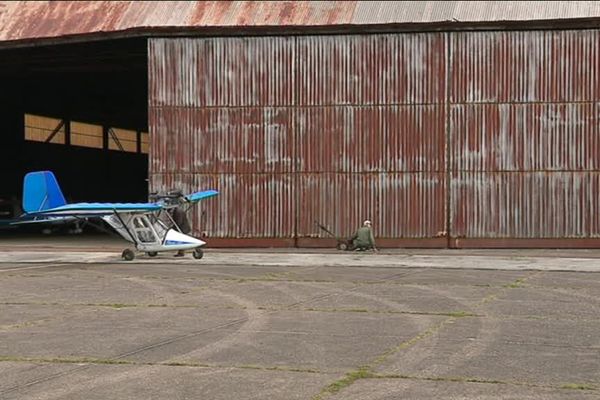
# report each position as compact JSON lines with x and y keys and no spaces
{"x":363,"y":239}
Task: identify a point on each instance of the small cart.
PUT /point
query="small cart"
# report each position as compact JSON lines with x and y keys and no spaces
{"x":342,"y":243}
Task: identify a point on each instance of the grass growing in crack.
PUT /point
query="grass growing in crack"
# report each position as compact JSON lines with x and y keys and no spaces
{"x":459,"y":314}
{"x":455,"y":314}
{"x":56,"y":360}
{"x":578,"y":386}
{"x":189,"y":364}
{"x":349,"y":379}
{"x":460,"y":379}
{"x":116,"y":305}
{"x":488,"y":298}
{"x":516,"y":284}
{"x":120,"y":305}
{"x":184,"y":364}
{"x":431,"y":331}
{"x":279,"y":368}
{"x":272,"y":276}
{"x":464,"y":380}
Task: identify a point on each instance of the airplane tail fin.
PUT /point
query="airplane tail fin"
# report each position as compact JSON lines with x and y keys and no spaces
{"x":41,"y":192}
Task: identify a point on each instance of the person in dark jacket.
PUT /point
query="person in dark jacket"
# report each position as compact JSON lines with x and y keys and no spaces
{"x":363,"y":239}
{"x":181,"y":219}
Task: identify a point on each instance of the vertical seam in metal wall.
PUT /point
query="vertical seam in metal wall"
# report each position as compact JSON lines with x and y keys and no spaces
{"x":294,"y":107}
{"x":149,"y":54}
{"x":447,"y":77}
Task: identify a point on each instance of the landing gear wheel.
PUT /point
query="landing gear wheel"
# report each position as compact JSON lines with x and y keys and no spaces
{"x":128,"y":255}
{"x":198,"y":254}
{"x":152,"y":253}
{"x":342,"y":246}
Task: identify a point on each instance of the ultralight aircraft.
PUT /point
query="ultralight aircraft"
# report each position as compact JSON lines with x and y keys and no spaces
{"x":149,"y":226}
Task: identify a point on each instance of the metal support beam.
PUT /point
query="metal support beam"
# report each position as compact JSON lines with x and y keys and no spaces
{"x":138,"y":141}
{"x":105,"y":137}
{"x":67,"y":132}
{"x":113,"y":135}
{"x":55,"y":131}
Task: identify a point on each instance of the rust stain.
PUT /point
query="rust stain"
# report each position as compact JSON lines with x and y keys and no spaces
{"x":393,"y":201}
{"x":286,"y":12}
{"x":262,"y":133}
{"x":45,"y":19}
{"x":528,"y":66}
{"x":338,"y":12}
{"x":42,"y":19}
{"x":526,"y":205}
{"x":525,"y":135}
{"x":357,"y":126}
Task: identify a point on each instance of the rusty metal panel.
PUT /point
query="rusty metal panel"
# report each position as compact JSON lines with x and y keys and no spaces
{"x":470,"y":11}
{"x":161,"y":13}
{"x":248,"y":205}
{"x":401,"y":205}
{"x":287,"y":149}
{"x":527,"y":66}
{"x":526,"y":137}
{"x":227,"y":72}
{"x":371,"y":69}
{"x":38,"y":19}
{"x":242,"y":140}
{"x":20,"y":20}
{"x":371,"y":134}
{"x":220,"y":117}
{"x":371,"y":139}
{"x":526,"y":204}
{"x":265,"y":13}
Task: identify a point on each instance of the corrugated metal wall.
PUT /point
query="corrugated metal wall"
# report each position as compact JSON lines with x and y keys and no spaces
{"x":336,"y":129}
{"x":524,"y":126}
{"x":292,"y":130}
{"x":370,"y":134}
{"x":221,"y":116}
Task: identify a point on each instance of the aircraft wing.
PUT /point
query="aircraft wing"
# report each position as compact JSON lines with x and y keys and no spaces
{"x":42,"y":219}
{"x":99,"y":209}
{"x":197,"y":196}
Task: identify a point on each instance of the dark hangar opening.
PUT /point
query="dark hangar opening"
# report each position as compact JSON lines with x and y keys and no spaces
{"x":79,"y":110}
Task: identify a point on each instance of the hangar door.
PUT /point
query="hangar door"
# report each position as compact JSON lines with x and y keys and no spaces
{"x":294,"y":130}
{"x":79,"y":110}
{"x":442,"y":139}
{"x":524,"y":127}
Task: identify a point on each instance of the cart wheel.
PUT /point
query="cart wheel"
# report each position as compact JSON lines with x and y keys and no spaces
{"x":152,"y":253}
{"x":198,"y":253}
{"x":342,"y":246}
{"x":128,"y":255}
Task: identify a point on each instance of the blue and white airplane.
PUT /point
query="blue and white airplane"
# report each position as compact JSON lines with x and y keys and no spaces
{"x":142,"y":224}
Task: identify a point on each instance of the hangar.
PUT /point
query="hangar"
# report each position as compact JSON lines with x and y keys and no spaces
{"x":449,"y":124}
{"x":77,"y":109}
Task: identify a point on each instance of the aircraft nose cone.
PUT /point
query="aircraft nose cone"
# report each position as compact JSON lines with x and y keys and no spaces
{"x":175,"y":237}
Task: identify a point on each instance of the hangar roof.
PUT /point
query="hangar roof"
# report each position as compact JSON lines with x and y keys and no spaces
{"x":26,"y":21}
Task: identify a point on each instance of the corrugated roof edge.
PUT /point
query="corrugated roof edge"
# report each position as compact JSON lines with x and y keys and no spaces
{"x":268,"y":30}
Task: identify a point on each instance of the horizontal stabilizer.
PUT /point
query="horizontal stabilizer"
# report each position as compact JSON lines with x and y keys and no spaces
{"x":197,"y":196}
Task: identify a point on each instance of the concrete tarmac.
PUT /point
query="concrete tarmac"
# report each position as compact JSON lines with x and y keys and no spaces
{"x":78,"y":323}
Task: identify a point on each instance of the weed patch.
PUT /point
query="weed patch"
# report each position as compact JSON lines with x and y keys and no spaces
{"x":578,"y":386}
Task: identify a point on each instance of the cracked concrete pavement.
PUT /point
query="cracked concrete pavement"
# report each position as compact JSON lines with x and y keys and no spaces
{"x":77,"y":323}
